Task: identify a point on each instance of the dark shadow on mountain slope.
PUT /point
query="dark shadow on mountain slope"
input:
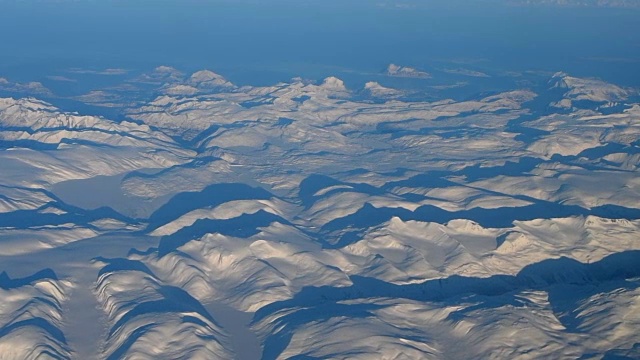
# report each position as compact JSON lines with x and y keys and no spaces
{"x":120,"y":264}
{"x":305,"y":357}
{"x":566,"y":300}
{"x":615,"y":212}
{"x":526,"y":134}
{"x":265,"y":100}
{"x":59,"y":204}
{"x":277,"y":342}
{"x":553,"y":276}
{"x":619,"y":266}
{"x":36,"y":322}
{"x":243,"y":226}
{"x":25,"y":219}
{"x":283,"y":122}
{"x":608,"y":149}
{"x":344,"y":239}
{"x":522,"y":167}
{"x":138,"y":252}
{"x":370,"y":216}
{"x":175,"y":300}
{"x":121,"y":351}
{"x":430,"y":180}
{"x":210,"y":196}
{"x":314,"y":183}
{"x":198,"y":162}
{"x":538,"y":107}
{"x":37,"y":145}
{"x":623,"y":354}
{"x":203,"y":135}
{"x":576,"y":161}
{"x":7,"y":283}
{"x":185,"y":299}
{"x":364,"y":218}
{"x":50,"y":352}
{"x":53,"y":335}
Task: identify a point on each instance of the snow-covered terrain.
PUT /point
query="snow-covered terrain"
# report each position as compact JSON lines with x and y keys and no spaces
{"x":314,"y":220}
{"x":405,"y":71}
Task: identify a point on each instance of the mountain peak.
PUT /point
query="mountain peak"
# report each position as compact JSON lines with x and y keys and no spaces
{"x":207,"y":78}
{"x":333,"y":83}
{"x":405,"y":71}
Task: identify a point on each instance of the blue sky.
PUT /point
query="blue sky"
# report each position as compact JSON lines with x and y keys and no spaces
{"x":304,"y":35}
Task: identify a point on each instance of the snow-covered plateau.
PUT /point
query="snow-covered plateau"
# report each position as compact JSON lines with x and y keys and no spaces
{"x":313,"y":220}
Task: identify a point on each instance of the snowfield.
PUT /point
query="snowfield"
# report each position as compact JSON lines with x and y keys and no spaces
{"x":313,"y":220}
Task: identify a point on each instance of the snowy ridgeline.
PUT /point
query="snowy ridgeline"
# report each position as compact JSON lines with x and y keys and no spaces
{"x":311,"y":220}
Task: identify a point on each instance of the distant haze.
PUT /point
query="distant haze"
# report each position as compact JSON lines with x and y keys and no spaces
{"x":313,"y":38}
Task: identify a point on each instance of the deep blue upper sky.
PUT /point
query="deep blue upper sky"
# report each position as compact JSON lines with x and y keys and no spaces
{"x":314,"y":38}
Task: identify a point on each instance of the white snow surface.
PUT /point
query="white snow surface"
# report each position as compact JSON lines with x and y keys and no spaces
{"x":406,"y":71}
{"x":329,"y":223}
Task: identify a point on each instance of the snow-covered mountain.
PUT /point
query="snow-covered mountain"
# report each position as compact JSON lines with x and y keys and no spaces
{"x":312,"y":220}
{"x":405,"y":71}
